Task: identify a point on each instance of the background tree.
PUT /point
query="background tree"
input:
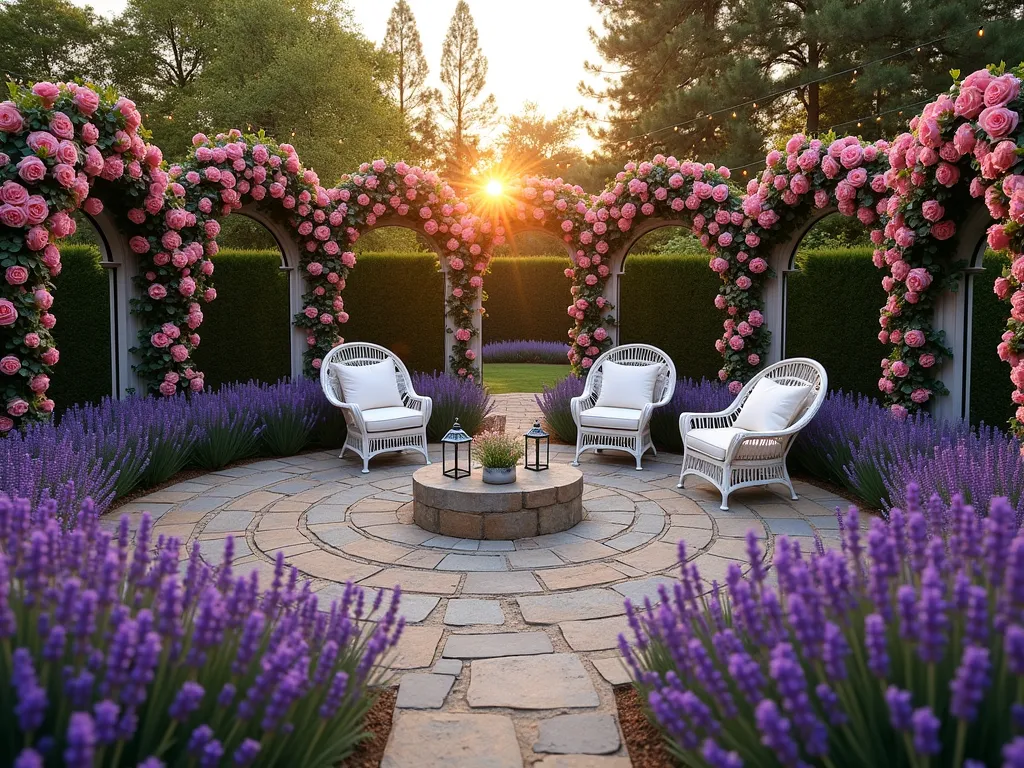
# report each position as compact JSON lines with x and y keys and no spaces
{"x":49,"y":40}
{"x":532,"y":144}
{"x":407,"y":85}
{"x":464,"y":75}
{"x":677,"y":62}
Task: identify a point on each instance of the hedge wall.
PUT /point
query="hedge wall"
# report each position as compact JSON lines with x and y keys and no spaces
{"x":668,"y":300}
{"x":526,"y":299}
{"x":832,"y":311}
{"x":397,"y":300}
{"x":245,"y":332}
{"x":82,"y":306}
{"x":990,"y":376}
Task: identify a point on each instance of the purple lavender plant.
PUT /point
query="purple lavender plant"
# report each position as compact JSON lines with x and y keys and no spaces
{"x":549,"y":352}
{"x":908,"y":651}
{"x":453,"y":398}
{"x":554,"y":404}
{"x":114,"y":656}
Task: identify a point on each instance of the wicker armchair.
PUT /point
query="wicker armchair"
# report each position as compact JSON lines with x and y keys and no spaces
{"x":372,"y":431}
{"x":599,"y":427}
{"x":732,"y":457}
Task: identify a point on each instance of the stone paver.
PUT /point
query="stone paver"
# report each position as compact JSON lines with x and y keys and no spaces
{"x":466,"y":612}
{"x":568,"y":606}
{"x":440,"y":740}
{"x":483,"y":646}
{"x":510,"y":608}
{"x":595,"y":634}
{"x":588,"y":734}
{"x":533,"y":682}
{"x":426,"y":691}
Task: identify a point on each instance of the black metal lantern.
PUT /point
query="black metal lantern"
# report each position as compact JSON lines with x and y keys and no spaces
{"x":456,"y":438}
{"x":534,"y":438}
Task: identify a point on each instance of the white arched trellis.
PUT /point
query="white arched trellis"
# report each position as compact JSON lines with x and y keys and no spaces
{"x":953,"y":310}
{"x":122,"y":265}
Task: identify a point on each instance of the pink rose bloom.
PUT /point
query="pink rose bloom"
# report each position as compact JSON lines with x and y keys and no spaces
{"x":37,"y":238}
{"x":758,"y":265}
{"x":17,"y":407}
{"x":160,"y":340}
{"x":918,"y":279}
{"x":39,"y":383}
{"x":1002,"y":287}
{"x":926,"y":360}
{"x":16,"y":275}
{"x":932,"y":210}
{"x":998,"y":240}
{"x":886,"y":385}
{"x":899,"y":369}
{"x":31,"y":169}
{"x":196,"y":384}
{"x":157,"y":291}
{"x":969,"y":102}
{"x":928,"y":133}
{"x":31,"y":340}
{"x":167,"y":388}
{"x":943,"y":230}
{"x":914,"y":338}
{"x":1004,"y":156}
{"x":920,"y":395}
{"x":998,"y":122}
{"x":179,"y":353}
{"x":10,"y":365}
{"x":743,"y":282}
{"x":1001,"y":90}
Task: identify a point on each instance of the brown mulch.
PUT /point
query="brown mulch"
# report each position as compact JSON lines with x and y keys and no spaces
{"x":378,"y":722}
{"x":643,"y":742}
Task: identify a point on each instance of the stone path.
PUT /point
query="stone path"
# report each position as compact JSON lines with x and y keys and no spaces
{"x":520,"y":410}
{"x":510,"y":651}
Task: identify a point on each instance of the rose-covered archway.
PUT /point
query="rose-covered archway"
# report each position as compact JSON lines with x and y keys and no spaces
{"x":65,"y":146}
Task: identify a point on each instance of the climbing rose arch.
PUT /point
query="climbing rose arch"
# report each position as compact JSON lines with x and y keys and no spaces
{"x":70,"y":146}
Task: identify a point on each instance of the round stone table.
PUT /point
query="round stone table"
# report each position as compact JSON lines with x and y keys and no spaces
{"x":537,"y":503}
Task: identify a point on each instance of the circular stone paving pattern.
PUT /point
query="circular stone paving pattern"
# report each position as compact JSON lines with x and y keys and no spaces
{"x":536,"y":503}
{"x":380,"y":528}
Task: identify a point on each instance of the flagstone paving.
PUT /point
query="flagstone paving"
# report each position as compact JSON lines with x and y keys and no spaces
{"x":510,"y":649}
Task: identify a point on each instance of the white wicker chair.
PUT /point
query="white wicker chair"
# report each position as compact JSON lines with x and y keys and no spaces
{"x":377,"y":430}
{"x":732,"y":458}
{"x":628,"y":429}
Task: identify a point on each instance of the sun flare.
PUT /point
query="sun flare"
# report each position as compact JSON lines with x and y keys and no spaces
{"x":494,"y":187}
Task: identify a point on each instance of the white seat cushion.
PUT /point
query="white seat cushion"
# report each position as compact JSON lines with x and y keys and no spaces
{"x":602,"y":417}
{"x":771,"y":407}
{"x":389,"y":419}
{"x":715,"y":443}
{"x":627,"y":386}
{"x":369,"y":386}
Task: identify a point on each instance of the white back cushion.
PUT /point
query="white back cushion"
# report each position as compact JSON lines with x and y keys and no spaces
{"x":627,"y":386}
{"x":369,"y":386}
{"x":771,"y":407}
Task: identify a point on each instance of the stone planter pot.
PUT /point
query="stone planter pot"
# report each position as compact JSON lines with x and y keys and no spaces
{"x":499,"y":475}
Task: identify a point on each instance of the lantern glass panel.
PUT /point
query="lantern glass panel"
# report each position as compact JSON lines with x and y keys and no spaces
{"x":455,"y":452}
{"x":538,"y":449}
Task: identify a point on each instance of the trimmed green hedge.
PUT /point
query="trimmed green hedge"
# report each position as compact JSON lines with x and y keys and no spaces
{"x":81,"y":297}
{"x":832,"y":312}
{"x":245,"y":332}
{"x":668,"y":300}
{"x":526,"y":299}
{"x":397,"y":300}
{"x":990,"y":376}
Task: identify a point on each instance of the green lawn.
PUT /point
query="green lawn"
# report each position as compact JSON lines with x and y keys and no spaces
{"x":521,"y":377}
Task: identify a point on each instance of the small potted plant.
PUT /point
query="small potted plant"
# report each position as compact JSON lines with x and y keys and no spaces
{"x":498,"y":454}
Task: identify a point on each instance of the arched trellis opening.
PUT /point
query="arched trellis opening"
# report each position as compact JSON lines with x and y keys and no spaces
{"x":443,"y":316}
{"x":966,"y":135}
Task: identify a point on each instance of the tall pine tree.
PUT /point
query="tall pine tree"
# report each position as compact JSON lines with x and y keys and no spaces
{"x":678,"y":63}
{"x":464,"y":75}
{"x":407,"y":85}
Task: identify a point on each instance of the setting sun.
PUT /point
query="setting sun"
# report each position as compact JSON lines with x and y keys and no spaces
{"x":494,"y":187}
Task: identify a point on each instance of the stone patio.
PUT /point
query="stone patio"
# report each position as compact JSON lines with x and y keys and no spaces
{"x":510,"y":651}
